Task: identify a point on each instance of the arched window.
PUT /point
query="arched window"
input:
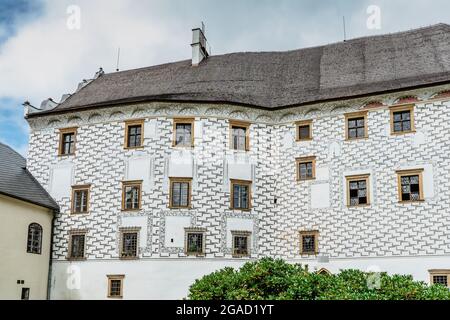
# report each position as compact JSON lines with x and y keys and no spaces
{"x":34,"y":242}
{"x":324,"y":271}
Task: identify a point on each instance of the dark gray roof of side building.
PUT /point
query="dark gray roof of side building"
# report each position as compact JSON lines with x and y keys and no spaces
{"x":272,"y":80}
{"x":17,"y":182}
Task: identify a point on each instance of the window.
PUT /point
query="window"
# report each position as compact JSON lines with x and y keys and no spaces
{"x":324,"y":271}
{"x":183,"y":130}
{"x":306,"y":168}
{"x":180,"y":193}
{"x":357,"y":190}
{"x":77,"y":243}
{"x":356,"y":125}
{"x":239,"y":135}
{"x":134,"y":134}
{"x":34,"y":241}
{"x":410,"y":185}
{"x":241,"y":243}
{"x":195,"y":242}
{"x":241,"y":194}
{"x":402,"y":119}
{"x":80,"y":199}
{"x":309,"y":242}
{"x":131,"y":195}
{"x":129,"y":243}
{"x":440,"y":276}
{"x":115,"y":286}
{"x":25,"y":294}
{"x":67,"y":140}
{"x":303,"y":130}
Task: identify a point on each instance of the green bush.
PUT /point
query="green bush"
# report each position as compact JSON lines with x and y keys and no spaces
{"x":275,"y":279}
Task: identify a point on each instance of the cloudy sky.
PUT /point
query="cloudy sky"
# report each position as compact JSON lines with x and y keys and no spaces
{"x":45,"y":50}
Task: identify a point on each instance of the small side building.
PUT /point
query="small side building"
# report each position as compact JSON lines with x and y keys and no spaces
{"x":26,"y":214}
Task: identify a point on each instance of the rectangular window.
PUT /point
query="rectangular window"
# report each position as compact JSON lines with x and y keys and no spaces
{"x":440,"y":276}
{"x":410,"y":185}
{"x":358,"y":190}
{"x":80,"y":199}
{"x":309,"y":242}
{"x":356,"y":125}
{"x":241,"y":194}
{"x":67,"y":140}
{"x":239,"y":135}
{"x":77,"y":243}
{"x":115,"y":286}
{"x":129,"y":243}
{"x":25,"y":294}
{"x":180,"y":192}
{"x":131,"y":195}
{"x":306,"y":168}
{"x":134,"y":134}
{"x":402,"y":119}
{"x":303,"y":130}
{"x":241,"y":243}
{"x":195,"y":242}
{"x":183,"y":132}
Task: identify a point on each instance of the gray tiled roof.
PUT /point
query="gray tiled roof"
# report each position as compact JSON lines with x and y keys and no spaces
{"x":353,"y":68}
{"x":17,"y":182}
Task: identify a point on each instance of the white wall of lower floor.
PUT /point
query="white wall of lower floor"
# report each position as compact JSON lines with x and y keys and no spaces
{"x":170,"y":278}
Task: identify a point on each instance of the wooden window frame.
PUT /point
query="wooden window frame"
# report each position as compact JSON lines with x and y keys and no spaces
{"x":358,"y":177}
{"x":187,"y":231}
{"x":69,"y":251}
{"x":247,"y":183}
{"x":120,"y":277}
{"x":172,"y":180}
{"x":62,"y":132}
{"x":240,"y":124}
{"x":303,"y":123}
{"x":300,"y":160}
{"x":314,"y":233}
{"x":439,"y":272}
{"x":128,"y":183}
{"x":355,"y":115}
{"x":246,"y":234}
{"x":123,"y":231}
{"x":176,"y":121}
{"x":86,"y":187}
{"x":410,"y":172}
{"x":409,"y":108}
{"x":137,"y":122}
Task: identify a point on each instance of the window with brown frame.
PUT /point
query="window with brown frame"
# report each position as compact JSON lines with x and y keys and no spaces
{"x":241,"y":243}
{"x":115,"y":286}
{"x":306,"y":168}
{"x":241,"y":194}
{"x":77,"y":245}
{"x":67,"y":141}
{"x":303,"y":130}
{"x":80,"y":199}
{"x":183,"y":132}
{"x":402,"y":119}
{"x":440,"y":276}
{"x":134,"y":134}
{"x":358,"y":190}
{"x":195,"y":241}
{"x":180,"y":192}
{"x":410,"y":186}
{"x":239,"y":135}
{"x":129,"y":243}
{"x":356,"y":125}
{"x":309,"y":242}
{"x":131,"y":195}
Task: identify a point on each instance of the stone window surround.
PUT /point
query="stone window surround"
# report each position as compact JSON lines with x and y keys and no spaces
{"x":62,"y":132}
{"x":119,"y":277}
{"x":247,"y":183}
{"x":237,"y":233}
{"x":195,"y":230}
{"x":134,"y":122}
{"x":176,"y":179}
{"x":408,"y":107}
{"x":439,"y":272}
{"x":176,"y":121}
{"x":410,"y":172}
{"x":314,"y":233}
{"x":307,"y":159}
{"x":358,"y":177}
{"x":69,"y":251}
{"x":355,"y":115}
{"x":124,"y":230}
{"x":303,"y":123}
{"x":86,"y":187}
{"x":133,"y":183}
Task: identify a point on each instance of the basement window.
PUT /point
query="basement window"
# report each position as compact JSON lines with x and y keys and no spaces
{"x":440,"y":276}
{"x":115,"y":286}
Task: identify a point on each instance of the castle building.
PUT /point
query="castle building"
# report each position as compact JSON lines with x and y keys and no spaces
{"x":335,"y":156}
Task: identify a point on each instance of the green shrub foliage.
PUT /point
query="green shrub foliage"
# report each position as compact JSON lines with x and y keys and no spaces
{"x":275,"y":279}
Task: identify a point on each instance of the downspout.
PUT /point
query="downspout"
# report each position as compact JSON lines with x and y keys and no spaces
{"x":49,"y":279}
